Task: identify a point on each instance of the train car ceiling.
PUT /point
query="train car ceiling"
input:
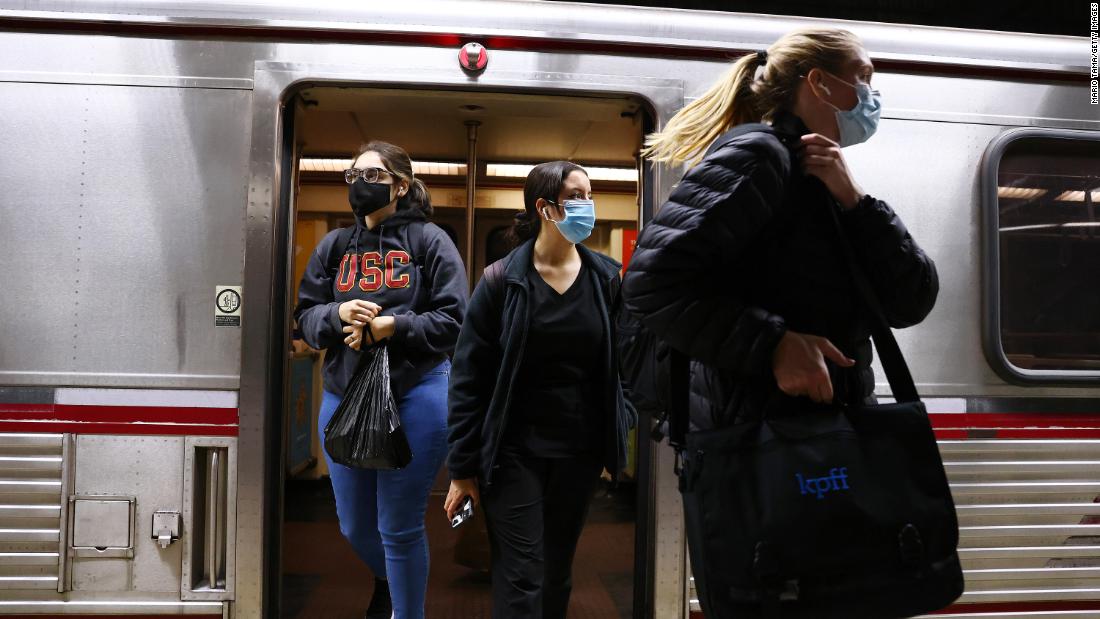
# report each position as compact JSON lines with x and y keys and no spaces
{"x":514,"y":128}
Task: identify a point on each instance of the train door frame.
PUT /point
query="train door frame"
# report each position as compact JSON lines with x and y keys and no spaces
{"x":269,"y":230}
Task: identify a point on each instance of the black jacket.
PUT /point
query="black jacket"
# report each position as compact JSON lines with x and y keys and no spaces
{"x":427,"y":300}
{"x":489,"y":355}
{"x":745,"y":249}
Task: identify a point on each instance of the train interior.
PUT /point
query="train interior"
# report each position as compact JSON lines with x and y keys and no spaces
{"x":450,"y":135}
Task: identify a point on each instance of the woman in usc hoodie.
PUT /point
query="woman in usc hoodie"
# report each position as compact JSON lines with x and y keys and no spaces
{"x":403,"y":279}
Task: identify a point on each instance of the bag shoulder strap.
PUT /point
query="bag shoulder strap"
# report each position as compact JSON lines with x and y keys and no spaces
{"x":893,"y":361}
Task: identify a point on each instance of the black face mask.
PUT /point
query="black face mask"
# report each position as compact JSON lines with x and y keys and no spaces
{"x":366,"y":198}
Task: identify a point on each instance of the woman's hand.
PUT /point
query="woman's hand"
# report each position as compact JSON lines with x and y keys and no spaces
{"x":799,"y":365}
{"x":358,"y":312}
{"x":822,"y":158}
{"x":382,"y":327}
{"x":459,"y":490}
{"x":354,"y":340}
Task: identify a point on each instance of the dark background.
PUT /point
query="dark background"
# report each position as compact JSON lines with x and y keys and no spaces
{"x":1040,"y":16}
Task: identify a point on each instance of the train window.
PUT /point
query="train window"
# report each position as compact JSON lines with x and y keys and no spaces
{"x":1046,"y":222}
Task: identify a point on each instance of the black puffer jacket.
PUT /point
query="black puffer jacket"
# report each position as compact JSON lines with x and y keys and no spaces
{"x":744,"y":250}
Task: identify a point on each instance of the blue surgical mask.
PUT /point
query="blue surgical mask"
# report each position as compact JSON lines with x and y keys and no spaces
{"x":858,"y":124}
{"x":580,"y":218}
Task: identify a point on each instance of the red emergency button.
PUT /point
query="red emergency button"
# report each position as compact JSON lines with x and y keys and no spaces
{"x":473,"y":57}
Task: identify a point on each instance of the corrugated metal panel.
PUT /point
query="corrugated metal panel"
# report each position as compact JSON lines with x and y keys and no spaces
{"x":1029,"y":523}
{"x":30,"y":510}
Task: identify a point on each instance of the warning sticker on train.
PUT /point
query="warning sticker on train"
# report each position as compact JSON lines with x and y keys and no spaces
{"x":227,"y":306}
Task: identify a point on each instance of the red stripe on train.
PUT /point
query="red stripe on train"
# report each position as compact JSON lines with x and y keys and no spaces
{"x":999,"y":607}
{"x":1020,"y":607}
{"x":77,"y":427}
{"x":1016,"y":420}
{"x":957,"y":426}
{"x":97,"y":419}
{"x":120,"y":414}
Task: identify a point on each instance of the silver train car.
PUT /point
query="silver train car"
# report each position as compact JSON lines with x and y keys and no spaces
{"x":154,"y":178}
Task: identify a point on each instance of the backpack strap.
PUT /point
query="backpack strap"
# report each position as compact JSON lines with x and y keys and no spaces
{"x":679,"y":406}
{"x":416,"y":243}
{"x":337,"y":250}
{"x":494,"y":279}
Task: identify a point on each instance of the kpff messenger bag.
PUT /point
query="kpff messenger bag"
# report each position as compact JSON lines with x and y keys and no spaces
{"x":822,"y":512}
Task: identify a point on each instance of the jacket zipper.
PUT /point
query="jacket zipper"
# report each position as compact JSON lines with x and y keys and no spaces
{"x":507,"y":402}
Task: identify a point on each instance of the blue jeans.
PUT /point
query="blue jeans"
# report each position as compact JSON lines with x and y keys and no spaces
{"x":382,"y":512}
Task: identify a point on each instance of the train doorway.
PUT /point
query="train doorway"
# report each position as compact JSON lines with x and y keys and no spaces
{"x":473,"y":150}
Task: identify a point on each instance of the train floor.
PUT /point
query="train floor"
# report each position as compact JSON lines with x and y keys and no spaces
{"x":322,"y":577}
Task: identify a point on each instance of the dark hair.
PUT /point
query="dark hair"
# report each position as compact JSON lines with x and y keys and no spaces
{"x":543,"y":181}
{"x":398,"y":161}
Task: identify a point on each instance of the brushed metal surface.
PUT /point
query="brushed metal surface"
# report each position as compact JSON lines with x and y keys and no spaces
{"x":151,"y":471}
{"x":551,"y":20}
{"x":116,"y":234}
{"x":207,"y":510}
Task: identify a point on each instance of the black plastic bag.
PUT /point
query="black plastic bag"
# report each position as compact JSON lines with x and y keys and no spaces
{"x":365,"y":430}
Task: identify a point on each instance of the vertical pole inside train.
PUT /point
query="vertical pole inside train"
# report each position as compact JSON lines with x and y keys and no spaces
{"x":471,"y":190}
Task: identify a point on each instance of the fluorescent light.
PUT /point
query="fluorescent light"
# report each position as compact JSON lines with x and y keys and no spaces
{"x":437,"y":168}
{"x":323,"y":165}
{"x":1072,"y":224}
{"x":444,"y":168}
{"x":521,"y":170}
{"x":510,"y":170}
{"x":1019,"y":193}
{"x":337,"y":166}
{"x":626,"y":175}
{"x":1077,"y":196}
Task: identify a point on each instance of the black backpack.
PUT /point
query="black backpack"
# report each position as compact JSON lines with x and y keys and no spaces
{"x":658,"y":375}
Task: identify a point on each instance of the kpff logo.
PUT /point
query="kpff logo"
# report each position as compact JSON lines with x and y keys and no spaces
{"x":837,"y":479}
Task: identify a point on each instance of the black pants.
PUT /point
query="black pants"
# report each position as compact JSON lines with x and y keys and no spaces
{"x":535,"y":511}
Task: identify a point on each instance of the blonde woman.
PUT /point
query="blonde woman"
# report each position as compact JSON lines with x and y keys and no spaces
{"x":741,"y":269}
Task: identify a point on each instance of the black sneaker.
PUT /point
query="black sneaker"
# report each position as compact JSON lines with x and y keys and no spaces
{"x":380,"y":605}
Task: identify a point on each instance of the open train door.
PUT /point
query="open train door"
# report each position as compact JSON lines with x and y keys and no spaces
{"x":659,"y":574}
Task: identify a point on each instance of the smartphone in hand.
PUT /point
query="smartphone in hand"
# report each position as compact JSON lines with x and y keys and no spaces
{"x":464,"y":513}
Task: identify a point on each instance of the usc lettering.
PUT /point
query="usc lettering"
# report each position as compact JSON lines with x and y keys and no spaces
{"x":346,"y":278}
{"x":373,"y":271}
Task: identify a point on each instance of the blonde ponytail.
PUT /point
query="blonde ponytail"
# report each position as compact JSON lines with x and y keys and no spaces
{"x":688,"y":134}
{"x":741,"y":97}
